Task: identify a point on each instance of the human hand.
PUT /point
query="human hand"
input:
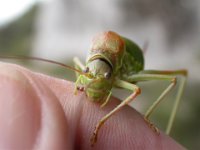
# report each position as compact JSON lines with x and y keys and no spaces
{"x":42,"y":112}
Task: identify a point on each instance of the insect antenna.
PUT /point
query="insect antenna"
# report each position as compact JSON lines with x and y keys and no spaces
{"x":43,"y":60}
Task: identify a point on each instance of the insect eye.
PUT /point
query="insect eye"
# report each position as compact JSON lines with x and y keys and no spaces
{"x":86,"y":70}
{"x":107,"y":75}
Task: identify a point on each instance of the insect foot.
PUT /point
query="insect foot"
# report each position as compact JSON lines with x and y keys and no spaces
{"x":80,"y":89}
{"x":152,"y":126}
{"x":93,"y":139}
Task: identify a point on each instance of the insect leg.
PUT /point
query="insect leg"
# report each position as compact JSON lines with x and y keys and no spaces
{"x":163,"y":75}
{"x":183,"y":74}
{"x":123,"y":84}
{"x":76,"y":84}
{"x":79,"y":66}
{"x":107,"y":99}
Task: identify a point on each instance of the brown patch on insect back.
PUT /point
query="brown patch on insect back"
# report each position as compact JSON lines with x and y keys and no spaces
{"x":110,"y":45}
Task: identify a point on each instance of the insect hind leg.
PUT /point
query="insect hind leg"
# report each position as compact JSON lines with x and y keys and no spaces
{"x":148,"y":75}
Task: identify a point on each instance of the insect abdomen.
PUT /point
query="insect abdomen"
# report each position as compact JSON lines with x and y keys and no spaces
{"x":133,"y":61}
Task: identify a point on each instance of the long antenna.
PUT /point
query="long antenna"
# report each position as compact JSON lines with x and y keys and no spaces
{"x":41,"y":59}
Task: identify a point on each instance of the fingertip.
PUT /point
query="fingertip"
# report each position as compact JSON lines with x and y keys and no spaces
{"x":30,"y":113}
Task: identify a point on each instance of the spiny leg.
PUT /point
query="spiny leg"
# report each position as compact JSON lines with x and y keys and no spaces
{"x":163,"y":75}
{"x":122,"y":84}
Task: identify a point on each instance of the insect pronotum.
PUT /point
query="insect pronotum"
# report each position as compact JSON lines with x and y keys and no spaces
{"x":115,"y":61}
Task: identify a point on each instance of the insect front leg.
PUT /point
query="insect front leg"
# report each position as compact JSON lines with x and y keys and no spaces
{"x":79,"y":66}
{"x":122,"y":84}
{"x":107,"y":100}
{"x":148,"y":75}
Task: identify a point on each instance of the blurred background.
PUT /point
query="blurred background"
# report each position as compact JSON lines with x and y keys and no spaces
{"x":62,"y":29}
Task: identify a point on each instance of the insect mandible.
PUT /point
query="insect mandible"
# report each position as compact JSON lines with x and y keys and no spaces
{"x":115,"y":61}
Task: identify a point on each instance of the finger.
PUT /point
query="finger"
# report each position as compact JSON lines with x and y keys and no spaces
{"x":30,"y":114}
{"x":125,"y":130}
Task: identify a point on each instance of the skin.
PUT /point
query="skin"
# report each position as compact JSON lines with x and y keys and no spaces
{"x":42,"y":112}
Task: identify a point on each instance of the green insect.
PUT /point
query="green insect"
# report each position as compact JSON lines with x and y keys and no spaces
{"x":115,"y":61}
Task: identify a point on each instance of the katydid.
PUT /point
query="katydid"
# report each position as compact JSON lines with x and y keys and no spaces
{"x":115,"y":61}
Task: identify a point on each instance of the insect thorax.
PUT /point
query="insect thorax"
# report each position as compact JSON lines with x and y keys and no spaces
{"x":109,"y":46}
